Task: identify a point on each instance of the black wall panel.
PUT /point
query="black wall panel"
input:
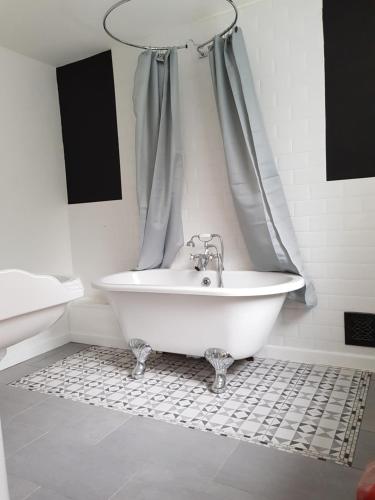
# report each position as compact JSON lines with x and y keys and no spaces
{"x":349,"y":41}
{"x":89,"y":126}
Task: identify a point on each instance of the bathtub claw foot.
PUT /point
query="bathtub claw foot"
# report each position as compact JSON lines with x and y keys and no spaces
{"x":141,"y":351}
{"x":221,"y":361}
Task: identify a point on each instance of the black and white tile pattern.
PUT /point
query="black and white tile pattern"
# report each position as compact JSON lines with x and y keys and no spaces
{"x":310,"y":409}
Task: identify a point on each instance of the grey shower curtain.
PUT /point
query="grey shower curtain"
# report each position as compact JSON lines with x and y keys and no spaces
{"x":158,"y":158}
{"x":256,"y":187}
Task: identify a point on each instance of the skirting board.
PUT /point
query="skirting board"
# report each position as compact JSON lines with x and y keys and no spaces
{"x":314,"y":356}
{"x":95,"y":323}
{"x":33,"y":347}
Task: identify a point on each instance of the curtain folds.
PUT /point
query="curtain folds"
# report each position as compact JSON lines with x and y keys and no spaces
{"x":255,"y":184}
{"x":159,"y":161}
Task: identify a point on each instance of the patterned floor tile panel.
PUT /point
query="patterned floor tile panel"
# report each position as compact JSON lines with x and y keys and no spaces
{"x":309,"y":409}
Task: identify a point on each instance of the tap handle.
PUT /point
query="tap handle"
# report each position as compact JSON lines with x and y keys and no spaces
{"x":205,"y":237}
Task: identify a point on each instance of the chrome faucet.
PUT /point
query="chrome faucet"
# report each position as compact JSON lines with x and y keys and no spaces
{"x":210,"y":253}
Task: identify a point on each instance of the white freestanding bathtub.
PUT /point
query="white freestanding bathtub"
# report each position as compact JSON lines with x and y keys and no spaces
{"x":173,"y":312}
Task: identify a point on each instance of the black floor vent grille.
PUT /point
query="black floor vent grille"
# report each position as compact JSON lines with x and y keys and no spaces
{"x":360,"y":329}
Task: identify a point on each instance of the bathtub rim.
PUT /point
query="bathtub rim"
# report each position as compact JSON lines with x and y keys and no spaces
{"x":294,"y":282}
{"x":44,"y":291}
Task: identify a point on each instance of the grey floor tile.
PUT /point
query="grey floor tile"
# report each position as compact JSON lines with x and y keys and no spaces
{"x":61,"y":463}
{"x":98,"y":424}
{"x":52,"y":412}
{"x":154,"y":482}
{"x":20,"y":489}
{"x":14,"y":373}
{"x":15,"y":401}
{"x":174,"y":446}
{"x":271,"y":474}
{"x":47,"y":494}
{"x":368,"y":422}
{"x":54,"y":355}
{"x":80,"y":470}
{"x":365,"y":450}
{"x":18,"y":435}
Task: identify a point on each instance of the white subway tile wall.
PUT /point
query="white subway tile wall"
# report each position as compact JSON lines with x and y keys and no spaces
{"x":334,"y":221}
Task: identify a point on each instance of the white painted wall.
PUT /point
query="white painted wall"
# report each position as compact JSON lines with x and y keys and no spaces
{"x":34,"y":223}
{"x":104,"y":235}
{"x":334,"y":221}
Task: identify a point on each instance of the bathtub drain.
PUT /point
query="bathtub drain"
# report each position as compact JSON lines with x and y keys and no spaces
{"x":206,"y":281}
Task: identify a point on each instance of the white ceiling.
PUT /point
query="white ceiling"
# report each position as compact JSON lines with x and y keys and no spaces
{"x":62,"y":31}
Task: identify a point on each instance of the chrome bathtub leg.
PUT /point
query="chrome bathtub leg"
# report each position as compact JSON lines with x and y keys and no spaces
{"x":141,"y":351}
{"x":221,"y":361}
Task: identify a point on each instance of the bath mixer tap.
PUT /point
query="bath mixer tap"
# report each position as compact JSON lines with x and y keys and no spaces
{"x":211,"y":253}
{"x":200,"y":260}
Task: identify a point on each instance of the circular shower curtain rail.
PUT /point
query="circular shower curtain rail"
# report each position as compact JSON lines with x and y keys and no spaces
{"x":200,"y":47}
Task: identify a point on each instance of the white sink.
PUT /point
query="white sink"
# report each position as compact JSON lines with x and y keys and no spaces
{"x":29,"y":304}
